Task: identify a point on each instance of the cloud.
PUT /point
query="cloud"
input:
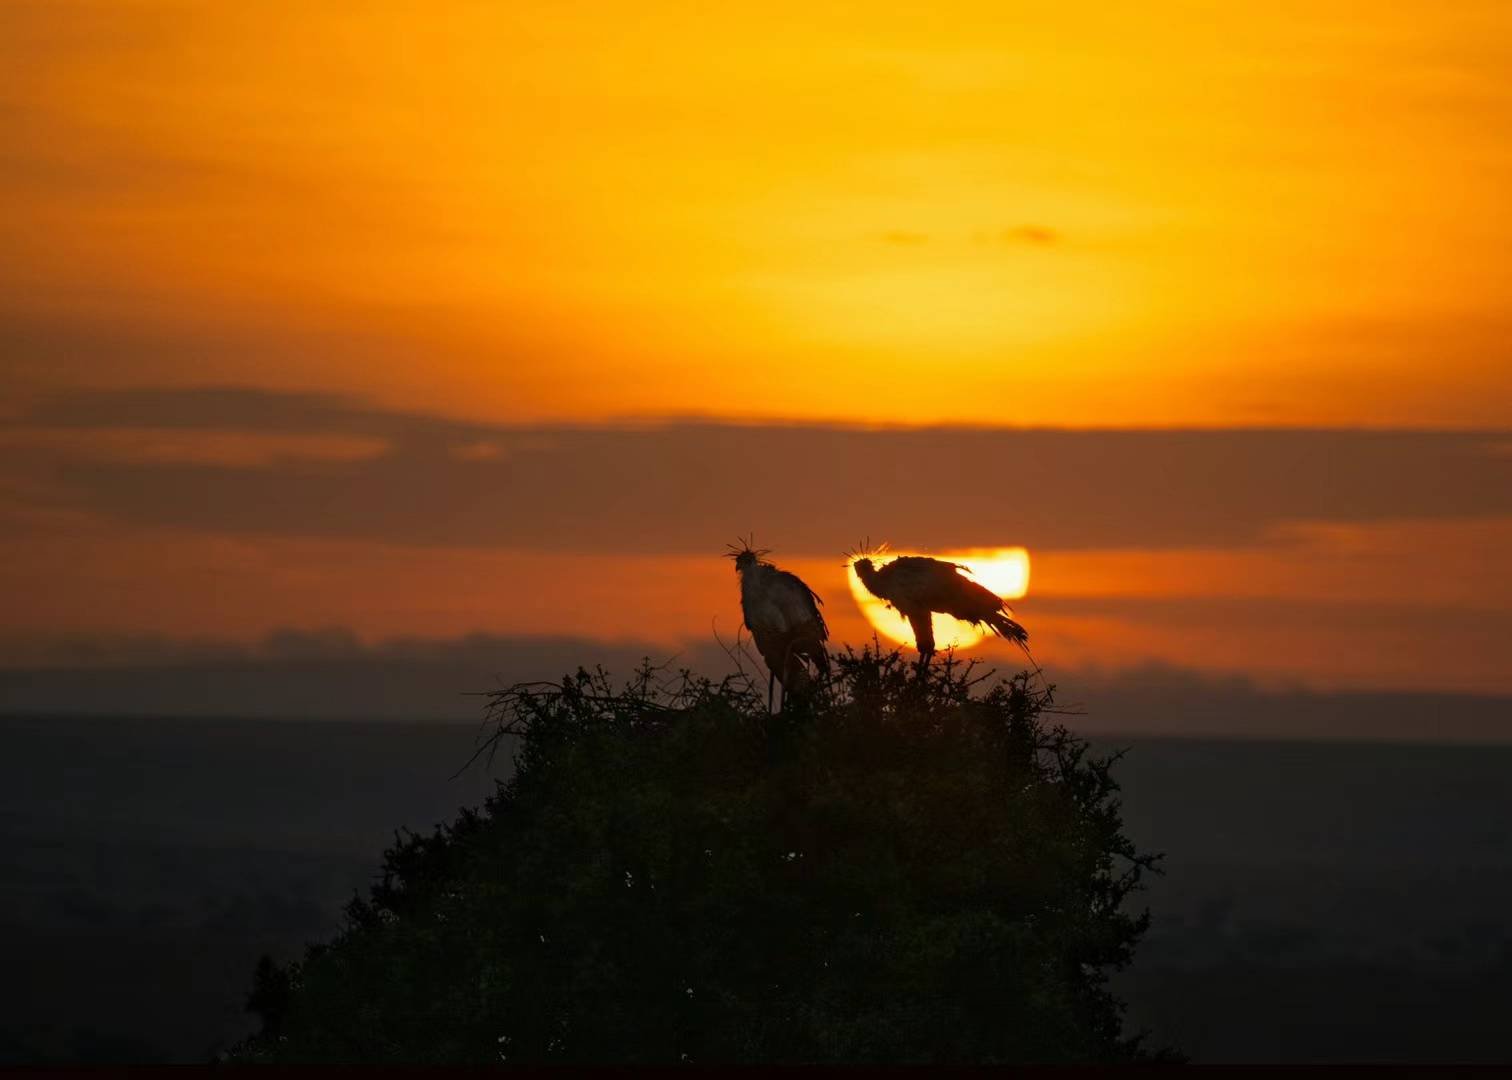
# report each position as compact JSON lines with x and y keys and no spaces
{"x":477,"y":450}
{"x":321,"y":674}
{"x":1040,"y":235}
{"x":1034,"y":235}
{"x":232,"y":408}
{"x":331,"y":674}
{"x":176,"y":445}
{"x":689,"y":486}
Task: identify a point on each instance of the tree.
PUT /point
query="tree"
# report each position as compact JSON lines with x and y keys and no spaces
{"x":907,"y":866}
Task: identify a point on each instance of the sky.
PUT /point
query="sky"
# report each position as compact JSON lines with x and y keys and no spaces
{"x":403,"y":320}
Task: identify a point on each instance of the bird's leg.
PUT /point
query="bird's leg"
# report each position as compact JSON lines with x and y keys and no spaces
{"x":922,"y":624}
{"x":771,"y":681}
{"x":788,"y":674}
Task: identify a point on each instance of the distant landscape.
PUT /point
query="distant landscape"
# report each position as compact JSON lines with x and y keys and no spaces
{"x":332,"y":674}
{"x":1323,"y":900}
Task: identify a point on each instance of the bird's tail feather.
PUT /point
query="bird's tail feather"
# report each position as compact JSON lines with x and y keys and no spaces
{"x":1006,"y":627}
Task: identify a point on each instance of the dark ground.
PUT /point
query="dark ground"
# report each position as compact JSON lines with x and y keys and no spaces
{"x":1324,"y":901}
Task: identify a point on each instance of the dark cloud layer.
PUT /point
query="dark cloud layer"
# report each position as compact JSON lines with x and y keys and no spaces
{"x":689,"y":486}
{"x":331,"y":675}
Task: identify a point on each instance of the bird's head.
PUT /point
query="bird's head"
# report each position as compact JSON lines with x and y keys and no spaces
{"x":859,"y":559}
{"x":745,"y":554}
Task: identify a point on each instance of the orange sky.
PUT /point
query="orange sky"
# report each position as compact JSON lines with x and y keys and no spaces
{"x":1082,"y":214}
{"x":1077,"y":215}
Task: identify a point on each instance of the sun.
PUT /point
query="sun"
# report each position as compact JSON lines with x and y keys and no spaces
{"x":1003,"y":570}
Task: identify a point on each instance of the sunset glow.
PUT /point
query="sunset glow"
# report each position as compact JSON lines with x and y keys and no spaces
{"x":1003,"y":570}
{"x":432,"y":319}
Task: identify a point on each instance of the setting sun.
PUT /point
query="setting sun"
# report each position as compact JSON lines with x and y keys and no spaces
{"x":1003,"y":570}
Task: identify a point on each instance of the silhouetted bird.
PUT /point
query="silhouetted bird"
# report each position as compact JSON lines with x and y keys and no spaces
{"x":782,"y":613}
{"x":918,"y":586}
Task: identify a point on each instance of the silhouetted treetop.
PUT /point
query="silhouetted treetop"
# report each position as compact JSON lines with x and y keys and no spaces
{"x":904,"y":866}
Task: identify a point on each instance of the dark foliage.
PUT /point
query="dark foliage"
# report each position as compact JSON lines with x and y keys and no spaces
{"x":906,"y":867}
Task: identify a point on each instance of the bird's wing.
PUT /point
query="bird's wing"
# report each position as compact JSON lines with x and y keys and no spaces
{"x":908,"y":581}
{"x":793,"y":583}
{"x":919,"y":581}
{"x":968,"y":599}
{"x":776,"y":601}
{"x":756,"y":604}
{"x":764,"y":615}
{"x":799,"y":603}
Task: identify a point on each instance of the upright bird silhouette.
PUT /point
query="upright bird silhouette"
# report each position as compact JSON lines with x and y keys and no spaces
{"x":782,"y":613}
{"x":918,"y":586}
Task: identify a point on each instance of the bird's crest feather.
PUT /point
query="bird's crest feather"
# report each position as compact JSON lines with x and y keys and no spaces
{"x":864,"y":550}
{"x":745,"y":545}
